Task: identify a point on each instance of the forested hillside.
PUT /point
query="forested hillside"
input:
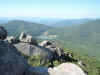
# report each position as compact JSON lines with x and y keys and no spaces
{"x":84,"y":38}
{"x":88,"y":31}
{"x":17,"y":26}
{"x":70,"y":22}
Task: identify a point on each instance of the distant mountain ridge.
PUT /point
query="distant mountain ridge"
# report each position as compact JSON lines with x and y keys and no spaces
{"x":53,"y":22}
{"x":15,"y":27}
{"x":70,"y":22}
{"x":85,"y":30}
{"x":40,"y":20}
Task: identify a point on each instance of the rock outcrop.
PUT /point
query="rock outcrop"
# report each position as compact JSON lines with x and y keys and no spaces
{"x":45,"y":43}
{"x":11,"y":39}
{"x":11,"y":61}
{"x":30,"y":50}
{"x":27,"y":39}
{"x":47,"y":50}
{"x":3,"y":33}
{"x":52,"y":46}
{"x":48,"y":53}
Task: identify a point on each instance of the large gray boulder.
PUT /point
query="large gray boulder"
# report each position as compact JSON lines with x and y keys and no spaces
{"x":11,"y":61}
{"x":66,"y":69}
{"x":30,"y":50}
{"x":51,"y":46}
{"x":33,"y":50}
{"x":3,"y":33}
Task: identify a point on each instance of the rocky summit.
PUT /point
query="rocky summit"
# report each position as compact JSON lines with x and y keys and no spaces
{"x":3,"y":33}
{"x":13,"y":63}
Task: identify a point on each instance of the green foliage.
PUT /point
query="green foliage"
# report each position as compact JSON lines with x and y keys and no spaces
{"x":37,"y":59}
{"x":84,"y":39}
{"x":87,"y":32}
{"x":91,"y":64}
{"x":34,"y":60}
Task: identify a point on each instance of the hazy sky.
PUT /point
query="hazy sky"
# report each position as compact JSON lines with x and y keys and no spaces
{"x":50,"y":8}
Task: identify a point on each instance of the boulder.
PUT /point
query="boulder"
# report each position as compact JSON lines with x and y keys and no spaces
{"x":66,"y":69}
{"x":11,"y":61}
{"x":27,"y":38}
{"x":3,"y":33}
{"x":10,"y":39}
{"x":29,"y":49}
{"x":52,"y":46}
{"x":45,"y":43}
{"x":22,"y":36}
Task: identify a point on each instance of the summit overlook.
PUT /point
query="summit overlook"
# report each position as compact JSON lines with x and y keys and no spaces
{"x":50,"y":37}
{"x":80,"y":42}
{"x":15,"y":60}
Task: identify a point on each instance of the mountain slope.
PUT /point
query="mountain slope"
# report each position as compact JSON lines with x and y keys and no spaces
{"x":84,"y":38}
{"x":89,"y":31}
{"x":17,"y":26}
{"x":70,"y":22}
{"x":40,"y":20}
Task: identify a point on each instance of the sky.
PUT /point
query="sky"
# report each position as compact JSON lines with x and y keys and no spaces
{"x":50,"y":8}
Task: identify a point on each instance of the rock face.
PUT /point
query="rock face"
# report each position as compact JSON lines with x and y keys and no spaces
{"x":11,"y":61}
{"x":37,"y":71}
{"x":52,"y":46}
{"x":3,"y":33}
{"x":27,"y":49}
{"x":33,"y":50}
{"x":48,"y":53}
{"x":30,"y":50}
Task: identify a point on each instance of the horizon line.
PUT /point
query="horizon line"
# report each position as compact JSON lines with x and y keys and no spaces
{"x":50,"y":17}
